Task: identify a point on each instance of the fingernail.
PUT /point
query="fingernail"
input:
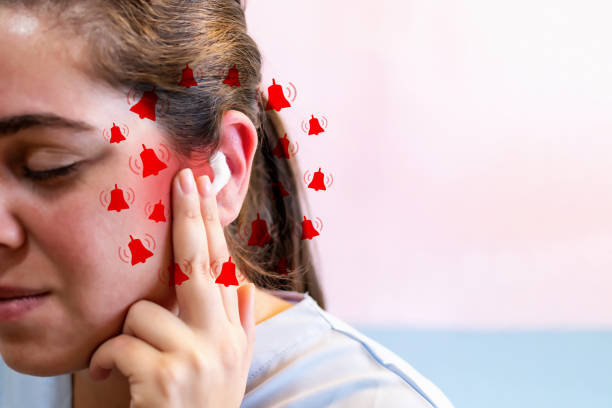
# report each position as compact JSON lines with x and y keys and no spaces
{"x":186,"y":178}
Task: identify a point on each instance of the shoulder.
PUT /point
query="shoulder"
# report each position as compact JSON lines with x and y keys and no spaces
{"x":320,"y":360}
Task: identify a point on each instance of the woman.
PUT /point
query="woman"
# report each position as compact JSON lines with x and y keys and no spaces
{"x":107,"y":332}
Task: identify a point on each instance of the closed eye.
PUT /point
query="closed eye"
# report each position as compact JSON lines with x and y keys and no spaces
{"x":50,"y":174}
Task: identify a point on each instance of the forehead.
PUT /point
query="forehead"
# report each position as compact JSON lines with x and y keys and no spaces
{"x":40,"y":72}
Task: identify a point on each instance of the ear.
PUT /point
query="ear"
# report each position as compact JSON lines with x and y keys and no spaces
{"x":238,"y":141}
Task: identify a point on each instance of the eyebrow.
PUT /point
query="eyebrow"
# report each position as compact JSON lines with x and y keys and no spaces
{"x":13,"y":124}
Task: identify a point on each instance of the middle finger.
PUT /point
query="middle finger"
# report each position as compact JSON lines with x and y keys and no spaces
{"x":217,"y":246}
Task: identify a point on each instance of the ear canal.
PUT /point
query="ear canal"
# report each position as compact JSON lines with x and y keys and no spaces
{"x":218,"y":163}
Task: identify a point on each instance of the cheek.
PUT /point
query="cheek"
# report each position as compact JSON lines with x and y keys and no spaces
{"x":92,"y":247}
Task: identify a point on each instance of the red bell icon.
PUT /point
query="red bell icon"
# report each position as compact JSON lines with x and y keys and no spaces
{"x":228,"y":274}
{"x":158,"y":213}
{"x":259,"y":233}
{"x":276,"y":98}
{"x":145,"y":108}
{"x":282,"y":148}
{"x":232,"y":77}
{"x":116,"y":135}
{"x":117,"y":202}
{"x":187,"y":79}
{"x":281,"y":267}
{"x":139,"y":252}
{"x":176,"y":275}
{"x":317,"y":182}
{"x":279,"y":186}
{"x":315,"y":127}
{"x":308,"y":230}
{"x":150,"y":163}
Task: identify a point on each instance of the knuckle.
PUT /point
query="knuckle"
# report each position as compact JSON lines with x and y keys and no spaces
{"x":167,"y":376}
{"x":196,"y":263}
{"x":209,"y":213}
{"x":196,"y":363}
{"x":191,"y":213}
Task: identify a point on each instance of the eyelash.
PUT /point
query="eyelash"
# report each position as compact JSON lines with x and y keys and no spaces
{"x":50,"y":174}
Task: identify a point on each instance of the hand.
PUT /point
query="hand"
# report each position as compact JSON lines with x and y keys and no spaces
{"x":202,"y":357}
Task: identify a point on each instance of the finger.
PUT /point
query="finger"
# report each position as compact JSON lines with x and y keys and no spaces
{"x":200,"y":304}
{"x":168,"y":333}
{"x":246,"y":300}
{"x":133,"y":357}
{"x":217,"y":246}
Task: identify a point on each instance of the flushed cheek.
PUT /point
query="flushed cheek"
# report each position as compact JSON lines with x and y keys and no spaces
{"x":104,"y":245}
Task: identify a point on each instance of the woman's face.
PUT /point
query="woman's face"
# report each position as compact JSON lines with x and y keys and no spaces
{"x":58,"y":235}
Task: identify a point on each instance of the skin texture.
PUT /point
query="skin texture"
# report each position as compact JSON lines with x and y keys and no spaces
{"x":91,"y":288}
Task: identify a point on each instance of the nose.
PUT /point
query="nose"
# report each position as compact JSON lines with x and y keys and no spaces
{"x":11,"y":233}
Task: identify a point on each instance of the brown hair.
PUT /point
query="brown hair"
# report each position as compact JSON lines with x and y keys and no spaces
{"x":137,"y":44}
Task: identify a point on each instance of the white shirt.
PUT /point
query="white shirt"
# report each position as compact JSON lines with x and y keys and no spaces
{"x":302,"y":357}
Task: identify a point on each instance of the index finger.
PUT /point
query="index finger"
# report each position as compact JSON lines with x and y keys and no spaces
{"x":199,"y":301}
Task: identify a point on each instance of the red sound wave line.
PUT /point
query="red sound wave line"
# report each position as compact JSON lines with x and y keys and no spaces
{"x":331,"y":180}
{"x":147,"y":243}
{"x":295,"y":91}
{"x":133,"y":196}
{"x":242,"y":231}
{"x":319,"y":223}
{"x":240,"y":234}
{"x":324,"y":121}
{"x":260,"y":96}
{"x":137,"y":172}
{"x":126,"y":251}
{"x":146,"y":209}
{"x":164,"y":107}
{"x":295,"y":148}
{"x":166,"y":156}
{"x":126,"y":132}
{"x":306,"y":176}
{"x":104,"y":132}
{"x":121,"y":257}
{"x":152,"y":240}
{"x":304,"y":129}
{"x":100,"y":198}
{"x":133,"y":95}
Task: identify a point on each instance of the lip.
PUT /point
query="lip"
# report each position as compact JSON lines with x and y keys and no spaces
{"x":12,"y":309}
{"x":14,"y":291}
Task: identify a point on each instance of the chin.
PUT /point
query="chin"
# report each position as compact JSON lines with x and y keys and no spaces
{"x":39,"y":365}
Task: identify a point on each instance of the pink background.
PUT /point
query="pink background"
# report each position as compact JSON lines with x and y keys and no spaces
{"x":470,"y":146}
